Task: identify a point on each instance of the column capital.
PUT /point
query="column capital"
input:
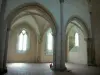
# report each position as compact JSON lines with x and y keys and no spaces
{"x":88,"y":39}
{"x":54,"y":32}
{"x":39,"y":39}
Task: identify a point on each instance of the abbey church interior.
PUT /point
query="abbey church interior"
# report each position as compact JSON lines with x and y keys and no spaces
{"x":49,"y":37}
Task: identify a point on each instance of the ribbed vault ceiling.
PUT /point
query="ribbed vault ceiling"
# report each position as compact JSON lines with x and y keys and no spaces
{"x":34,"y":19}
{"x":75,"y":23}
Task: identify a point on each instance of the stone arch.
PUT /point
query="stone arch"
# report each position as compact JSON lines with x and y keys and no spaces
{"x":14,"y":33}
{"x":22,"y":23}
{"x":48,"y":15}
{"x":83,"y":27}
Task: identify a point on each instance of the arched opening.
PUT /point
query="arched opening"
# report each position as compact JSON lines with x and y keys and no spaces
{"x":47,"y":46}
{"x":22,"y":41}
{"x":22,"y":44}
{"x":49,"y":42}
{"x":76,"y":41}
{"x":27,"y":26}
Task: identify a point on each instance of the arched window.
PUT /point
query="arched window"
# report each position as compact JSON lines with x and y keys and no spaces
{"x":49,"y":42}
{"x":22,"y":41}
{"x":76,"y":39}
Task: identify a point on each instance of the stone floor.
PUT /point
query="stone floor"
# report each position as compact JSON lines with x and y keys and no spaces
{"x":43,"y":69}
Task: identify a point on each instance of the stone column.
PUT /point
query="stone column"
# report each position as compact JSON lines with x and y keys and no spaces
{"x":6,"y":49}
{"x":39,"y":49}
{"x":95,"y":21}
{"x":91,"y":51}
{"x":59,"y":38}
{"x":2,"y":33}
{"x":54,"y":48}
{"x":62,"y":60}
{"x":39,"y":52}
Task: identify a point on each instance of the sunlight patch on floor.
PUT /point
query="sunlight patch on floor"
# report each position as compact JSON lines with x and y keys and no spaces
{"x":16,"y":65}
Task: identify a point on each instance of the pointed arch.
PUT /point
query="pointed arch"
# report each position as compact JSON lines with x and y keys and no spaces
{"x":49,"y":42}
{"x":82,"y":25}
{"x":22,"y":44}
{"x":76,"y":21}
{"x":76,"y":39}
{"x":48,"y":15}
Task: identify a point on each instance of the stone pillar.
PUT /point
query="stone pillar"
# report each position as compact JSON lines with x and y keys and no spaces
{"x":90,"y":51}
{"x":39,"y":49}
{"x":90,"y":41}
{"x":6,"y":49}
{"x":59,"y":38}
{"x":2,"y":33}
{"x":62,"y":60}
{"x":54,"y":49}
{"x":95,"y":26}
{"x":39,"y":52}
{"x":57,"y":50}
